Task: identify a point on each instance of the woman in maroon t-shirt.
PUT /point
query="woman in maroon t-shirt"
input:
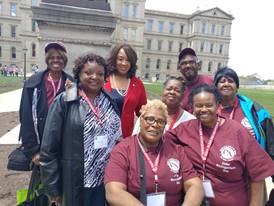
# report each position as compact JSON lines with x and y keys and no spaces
{"x":230,"y":162}
{"x":167,"y":169}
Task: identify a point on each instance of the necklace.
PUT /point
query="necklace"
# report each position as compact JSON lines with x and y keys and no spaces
{"x":122,"y":92}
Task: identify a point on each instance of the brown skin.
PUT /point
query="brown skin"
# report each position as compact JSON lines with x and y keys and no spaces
{"x":228,"y":89}
{"x":172,"y":97}
{"x":205,"y":108}
{"x":91,"y":79}
{"x":189,"y":68}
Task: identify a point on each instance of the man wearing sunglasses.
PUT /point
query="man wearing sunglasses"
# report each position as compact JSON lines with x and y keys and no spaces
{"x":188,"y":65}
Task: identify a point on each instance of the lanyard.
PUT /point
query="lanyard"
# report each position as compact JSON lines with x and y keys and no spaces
{"x":174,"y":119}
{"x":236,"y":103}
{"x":205,"y":151}
{"x":93,"y":108}
{"x":55,"y":90}
{"x":154,"y":167}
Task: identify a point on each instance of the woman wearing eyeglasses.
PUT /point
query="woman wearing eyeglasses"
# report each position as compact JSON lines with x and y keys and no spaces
{"x":167,"y":171}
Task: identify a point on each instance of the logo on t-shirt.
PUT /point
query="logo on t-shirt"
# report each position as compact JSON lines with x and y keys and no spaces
{"x":174,"y":165}
{"x":247,"y":125}
{"x":227,"y":153}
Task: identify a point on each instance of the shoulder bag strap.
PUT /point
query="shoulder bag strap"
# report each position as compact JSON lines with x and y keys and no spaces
{"x":142,"y":177}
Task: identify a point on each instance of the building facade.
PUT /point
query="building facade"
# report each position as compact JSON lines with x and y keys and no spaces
{"x":157,"y":36}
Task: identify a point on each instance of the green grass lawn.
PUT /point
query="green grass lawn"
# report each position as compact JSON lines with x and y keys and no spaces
{"x":10,"y":83}
{"x":262,"y":96}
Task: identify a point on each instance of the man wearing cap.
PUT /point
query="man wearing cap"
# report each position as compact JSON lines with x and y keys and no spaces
{"x":38,"y":93}
{"x":188,"y":66}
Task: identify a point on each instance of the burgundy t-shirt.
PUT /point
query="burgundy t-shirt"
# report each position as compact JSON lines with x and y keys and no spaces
{"x":238,"y":115}
{"x":234,"y":158}
{"x":49,"y":88}
{"x":202,"y":79}
{"x":123,"y":167}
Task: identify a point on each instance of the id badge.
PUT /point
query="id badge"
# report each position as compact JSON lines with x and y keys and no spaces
{"x":208,"y":189}
{"x":156,"y":199}
{"x":100,"y":142}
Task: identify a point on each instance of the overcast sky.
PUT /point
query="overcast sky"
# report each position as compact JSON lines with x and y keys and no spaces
{"x":252,"y":44}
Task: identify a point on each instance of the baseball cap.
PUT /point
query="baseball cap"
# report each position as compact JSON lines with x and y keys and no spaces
{"x":55,"y":45}
{"x":185,"y":52}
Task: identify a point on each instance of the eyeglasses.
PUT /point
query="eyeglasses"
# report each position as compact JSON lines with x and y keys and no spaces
{"x":190,"y":62}
{"x":151,"y":120}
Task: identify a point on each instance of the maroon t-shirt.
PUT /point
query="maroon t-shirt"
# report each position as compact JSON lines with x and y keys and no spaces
{"x":202,"y":79}
{"x":49,"y":88}
{"x":234,"y":158}
{"x":174,"y":169}
{"x":236,"y":113}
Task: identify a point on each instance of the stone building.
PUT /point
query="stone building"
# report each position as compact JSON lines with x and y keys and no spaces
{"x":85,"y":25}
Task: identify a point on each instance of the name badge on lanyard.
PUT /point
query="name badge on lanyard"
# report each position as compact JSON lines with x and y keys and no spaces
{"x":156,"y":199}
{"x":100,"y":142}
{"x":208,"y":189}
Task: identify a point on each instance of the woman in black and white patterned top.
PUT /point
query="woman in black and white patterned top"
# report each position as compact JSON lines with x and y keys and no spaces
{"x":82,"y":127}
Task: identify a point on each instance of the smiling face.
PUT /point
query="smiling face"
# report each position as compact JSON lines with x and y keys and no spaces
{"x":189,"y":67}
{"x":55,"y":61}
{"x":227,"y":87}
{"x":122,"y":63}
{"x":205,"y":108}
{"x":172,"y":93}
{"x":152,"y":125}
{"x":92,"y":77}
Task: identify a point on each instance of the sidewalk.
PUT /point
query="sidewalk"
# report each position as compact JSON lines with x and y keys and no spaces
{"x":10,"y":102}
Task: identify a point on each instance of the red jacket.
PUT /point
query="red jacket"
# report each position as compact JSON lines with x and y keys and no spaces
{"x":134,"y":99}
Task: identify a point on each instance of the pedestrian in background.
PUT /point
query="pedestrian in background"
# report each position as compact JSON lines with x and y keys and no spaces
{"x":127,"y":90}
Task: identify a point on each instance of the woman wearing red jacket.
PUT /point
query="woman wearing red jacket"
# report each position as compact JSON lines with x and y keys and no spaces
{"x":128,"y":90}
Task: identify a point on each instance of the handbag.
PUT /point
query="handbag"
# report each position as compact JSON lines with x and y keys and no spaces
{"x":18,"y":161}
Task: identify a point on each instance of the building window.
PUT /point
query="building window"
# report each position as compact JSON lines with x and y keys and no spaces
{"x":182,"y":29}
{"x":158,"y":63}
{"x":170,"y":43}
{"x":167,"y":76}
{"x":147,"y":63}
{"x":13,"y":52}
{"x":0,"y":8}
{"x":213,"y":28}
{"x":13,"y":31}
{"x":157,"y":76}
{"x":222,"y":30}
{"x":33,"y":50}
{"x":219,"y":65}
{"x":0,"y":30}
{"x":126,"y":7}
{"x":180,"y":46}
{"x":125,"y":33}
{"x":221,"y":49}
{"x":34,"y":2}
{"x":148,"y":43}
{"x":161,"y":26}
{"x":160,"y":42}
{"x":146,"y":75}
{"x":13,"y":9}
{"x":171,"y":27}
{"x":200,"y":65}
{"x":209,"y":66}
{"x":134,"y":10}
{"x":203,"y":28}
{"x":202,"y":46}
{"x":211,"y":48}
{"x":33,"y":25}
{"x":149,"y":25}
{"x":133,"y":34}
{"x":0,"y":51}
{"x":168,"y":64}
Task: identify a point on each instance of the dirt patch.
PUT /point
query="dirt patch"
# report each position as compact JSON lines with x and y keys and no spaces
{"x":8,"y":120}
{"x":10,"y":181}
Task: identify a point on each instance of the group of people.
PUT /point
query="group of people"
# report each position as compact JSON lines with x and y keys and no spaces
{"x":201,"y":144}
{"x":11,"y":71}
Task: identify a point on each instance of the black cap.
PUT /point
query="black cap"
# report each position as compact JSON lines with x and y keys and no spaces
{"x":55,"y":45}
{"x":185,"y":52}
{"x":226,"y":72}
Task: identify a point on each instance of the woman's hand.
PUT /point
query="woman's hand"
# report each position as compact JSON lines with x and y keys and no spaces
{"x":56,"y":200}
{"x":68,"y":84}
{"x":36,"y":159}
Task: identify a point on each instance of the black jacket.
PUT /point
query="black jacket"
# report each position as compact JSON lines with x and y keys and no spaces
{"x":62,"y":149}
{"x":28,"y":135}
